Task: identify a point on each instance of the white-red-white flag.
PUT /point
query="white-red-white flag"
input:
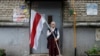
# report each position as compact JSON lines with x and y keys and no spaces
{"x":36,"y":26}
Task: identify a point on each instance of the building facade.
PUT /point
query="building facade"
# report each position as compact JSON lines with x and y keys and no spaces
{"x":86,"y":26}
{"x":15,"y":35}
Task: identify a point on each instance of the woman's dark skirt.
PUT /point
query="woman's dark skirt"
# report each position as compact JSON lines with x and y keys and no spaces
{"x":51,"y":45}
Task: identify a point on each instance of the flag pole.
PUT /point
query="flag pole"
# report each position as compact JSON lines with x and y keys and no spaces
{"x":74,"y":26}
{"x":75,"y":44}
{"x":54,"y":37}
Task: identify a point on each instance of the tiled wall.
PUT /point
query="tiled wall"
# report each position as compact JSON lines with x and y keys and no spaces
{"x":80,"y":6}
{"x":6,"y":8}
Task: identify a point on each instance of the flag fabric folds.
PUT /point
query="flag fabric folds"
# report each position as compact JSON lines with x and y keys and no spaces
{"x":36,"y":26}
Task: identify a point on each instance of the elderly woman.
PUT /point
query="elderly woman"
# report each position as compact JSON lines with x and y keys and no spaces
{"x":53,"y":51}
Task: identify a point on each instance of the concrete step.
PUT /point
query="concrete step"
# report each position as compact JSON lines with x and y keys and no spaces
{"x":40,"y":55}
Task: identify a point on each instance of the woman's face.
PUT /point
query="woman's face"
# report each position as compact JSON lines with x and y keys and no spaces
{"x":53,"y":24}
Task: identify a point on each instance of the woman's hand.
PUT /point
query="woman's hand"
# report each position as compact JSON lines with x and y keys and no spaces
{"x":56,"y":39}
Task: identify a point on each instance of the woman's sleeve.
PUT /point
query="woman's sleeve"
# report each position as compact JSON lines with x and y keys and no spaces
{"x":58,"y":34}
{"x":48,"y":33}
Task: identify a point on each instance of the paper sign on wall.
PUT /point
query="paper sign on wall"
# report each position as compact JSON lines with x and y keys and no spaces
{"x":20,"y":14}
{"x":92,"y":8}
{"x":98,"y":34}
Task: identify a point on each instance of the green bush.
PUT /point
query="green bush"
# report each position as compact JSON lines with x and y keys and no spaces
{"x":2,"y":52}
{"x":94,"y":50}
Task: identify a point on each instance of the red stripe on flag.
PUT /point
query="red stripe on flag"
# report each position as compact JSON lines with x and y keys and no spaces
{"x":33,"y":32}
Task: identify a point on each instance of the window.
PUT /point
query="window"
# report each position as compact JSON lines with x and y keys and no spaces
{"x":49,"y":19}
